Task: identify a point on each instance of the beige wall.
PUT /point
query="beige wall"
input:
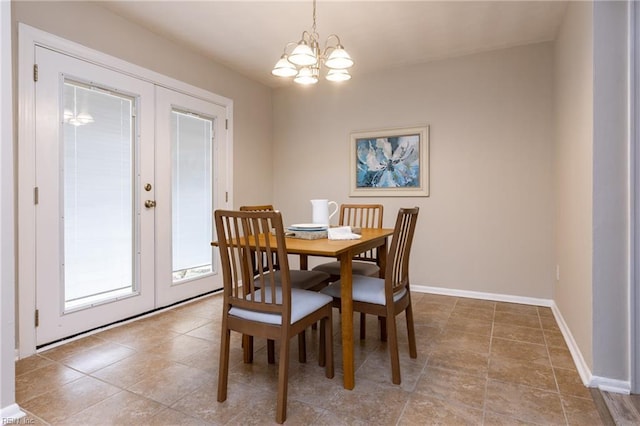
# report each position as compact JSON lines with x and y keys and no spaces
{"x":574,"y":172}
{"x":93,"y":26}
{"x":488,"y":224}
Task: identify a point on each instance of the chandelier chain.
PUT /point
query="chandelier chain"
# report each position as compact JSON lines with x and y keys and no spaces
{"x":313,"y":28}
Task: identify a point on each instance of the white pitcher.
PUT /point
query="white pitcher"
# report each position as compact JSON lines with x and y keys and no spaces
{"x":321,"y":211}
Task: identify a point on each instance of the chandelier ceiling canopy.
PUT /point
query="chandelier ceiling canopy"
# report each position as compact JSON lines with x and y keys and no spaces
{"x":305,"y":60}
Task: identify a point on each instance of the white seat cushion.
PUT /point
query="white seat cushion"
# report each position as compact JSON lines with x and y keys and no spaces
{"x":369,"y":269}
{"x":365,"y":289}
{"x":303,"y":303}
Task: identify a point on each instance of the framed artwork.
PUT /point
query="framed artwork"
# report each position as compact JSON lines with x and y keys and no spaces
{"x":390,"y":163}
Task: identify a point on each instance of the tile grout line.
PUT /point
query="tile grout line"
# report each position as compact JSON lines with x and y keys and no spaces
{"x":486,"y":382}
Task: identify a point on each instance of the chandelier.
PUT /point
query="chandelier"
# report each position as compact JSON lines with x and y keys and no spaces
{"x":306,"y":59}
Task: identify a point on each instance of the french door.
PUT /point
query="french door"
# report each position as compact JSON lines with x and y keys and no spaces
{"x":188,"y":130}
{"x":127,"y":177}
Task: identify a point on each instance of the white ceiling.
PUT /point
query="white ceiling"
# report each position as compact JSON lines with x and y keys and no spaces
{"x":249,"y":36}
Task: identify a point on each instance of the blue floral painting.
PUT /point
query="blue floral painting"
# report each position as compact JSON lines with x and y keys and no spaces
{"x":388,"y":162}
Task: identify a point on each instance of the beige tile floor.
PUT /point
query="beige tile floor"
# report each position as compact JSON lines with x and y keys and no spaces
{"x":479,"y":362}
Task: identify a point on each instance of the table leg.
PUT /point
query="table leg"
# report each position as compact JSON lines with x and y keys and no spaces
{"x":346,"y":298}
{"x":382,"y":264}
{"x":382,"y":258}
{"x":304,"y":262}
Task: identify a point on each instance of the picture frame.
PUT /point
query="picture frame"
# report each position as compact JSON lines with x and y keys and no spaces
{"x":390,"y":162}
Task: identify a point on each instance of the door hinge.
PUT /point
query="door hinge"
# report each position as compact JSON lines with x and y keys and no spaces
{"x":36,"y":195}
{"x":37,"y":317}
{"x":226,"y":124}
{"x":226,"y":197}
{"x":35,"y":72}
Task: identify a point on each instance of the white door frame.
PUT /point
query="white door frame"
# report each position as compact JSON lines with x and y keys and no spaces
{"x":634,"y":196}
{"x":9,"y":409}
{"x":28,"y":38}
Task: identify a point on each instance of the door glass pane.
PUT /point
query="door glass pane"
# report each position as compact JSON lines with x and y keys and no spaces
{"x":192,"y":196}
{"x":98,"y":180}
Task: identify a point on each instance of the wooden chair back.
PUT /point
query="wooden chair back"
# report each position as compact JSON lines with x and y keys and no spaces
{"x":397,"y":272}
{"x":241,"y":234}
{"x":362,"y":216}
{"x":266,"y":207}
{"x":260,"y":208}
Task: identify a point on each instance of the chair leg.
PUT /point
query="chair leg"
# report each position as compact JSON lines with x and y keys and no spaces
{"x":363,"y":325}
{"x":413,"y":351}
{"x":247,"y":347}
{"x":383,"y":328}
{"x":393,"y":348}
{"x":283,"y":380}
{"x":271,"y":351}
{"x":322,"y":355}
{"x":328,"y":346}
{"x":302,"y":347}
{"x":223,"y":370}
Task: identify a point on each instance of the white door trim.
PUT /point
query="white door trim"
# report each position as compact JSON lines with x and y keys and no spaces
{"x":29,"y":37}
{"x":634,"y":196}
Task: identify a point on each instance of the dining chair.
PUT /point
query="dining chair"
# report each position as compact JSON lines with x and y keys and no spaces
{"x":389,"y":296}
{"x":359,"y":216}
{"x":257,"y":305}
{"x":305,"y":280}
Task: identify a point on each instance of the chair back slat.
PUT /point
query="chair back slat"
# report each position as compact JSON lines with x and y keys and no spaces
{"x":248,"y":250}
{"x":362,"y":216}
{"x":260,"y":208}
{"x":398,"y":256}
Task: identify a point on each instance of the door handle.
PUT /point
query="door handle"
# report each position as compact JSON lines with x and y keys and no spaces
{"x":150,"y":204}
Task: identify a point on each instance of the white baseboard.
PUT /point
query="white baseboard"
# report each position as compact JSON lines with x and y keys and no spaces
{"x":610,"y":385}
{"x":485,"y":296}
{"x":588,"y":379}
{"x":603,"y":383}
{"x":581,"y":365}
{"x":11,"y":413}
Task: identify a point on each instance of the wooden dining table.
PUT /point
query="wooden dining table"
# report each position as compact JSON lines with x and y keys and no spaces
{"x":344,"y":251}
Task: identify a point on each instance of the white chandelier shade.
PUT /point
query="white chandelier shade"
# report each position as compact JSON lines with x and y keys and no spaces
{"x":339,"y":59}
{"x":284,"y":68}
{"x":303,"y":55}
{"x":306,"y":59}
{"x":307,"y":76}
{"x":338,"y":75}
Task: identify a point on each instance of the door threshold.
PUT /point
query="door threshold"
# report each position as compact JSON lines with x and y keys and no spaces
{"x":78,"y":336}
